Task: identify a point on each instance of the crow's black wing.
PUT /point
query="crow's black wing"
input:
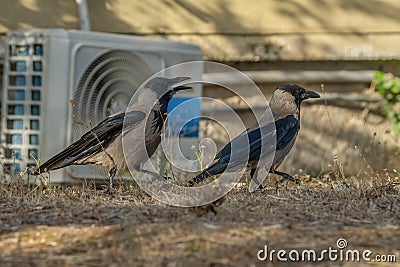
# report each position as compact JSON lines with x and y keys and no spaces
{"x":251,"y":139}
{"x":286,"y":130}
{"x":94,"y":140}
{"x":248,"y":145}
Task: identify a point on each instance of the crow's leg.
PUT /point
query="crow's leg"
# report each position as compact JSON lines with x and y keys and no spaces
{"x":158,"y":176}
{"x":111,"y":175}
{"x":255,"y":179}
{"x":111,"y":172}
{"x":139,"y":168}
{"x":285,"y":176}
{"x":252,"y":172}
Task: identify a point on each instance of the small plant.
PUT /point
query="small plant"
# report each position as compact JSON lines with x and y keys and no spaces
{"x":388,"y":86}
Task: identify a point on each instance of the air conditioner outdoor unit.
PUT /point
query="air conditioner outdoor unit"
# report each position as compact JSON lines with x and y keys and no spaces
{"x":58,"y":83}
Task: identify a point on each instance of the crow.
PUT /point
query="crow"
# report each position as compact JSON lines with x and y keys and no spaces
{"x":103,"y":146}
{"x":247,"y":152}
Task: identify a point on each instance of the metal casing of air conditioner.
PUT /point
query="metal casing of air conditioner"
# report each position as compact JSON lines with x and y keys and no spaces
{"x":58,"y":83}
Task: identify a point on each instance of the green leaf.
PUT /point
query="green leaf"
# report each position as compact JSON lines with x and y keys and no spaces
{"x":388,"y":87}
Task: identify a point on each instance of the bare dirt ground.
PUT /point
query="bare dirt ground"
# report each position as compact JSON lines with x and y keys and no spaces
{"x":79,"y":225}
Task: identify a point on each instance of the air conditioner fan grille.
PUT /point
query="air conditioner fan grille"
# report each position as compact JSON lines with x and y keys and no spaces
{"x":105,"y":87}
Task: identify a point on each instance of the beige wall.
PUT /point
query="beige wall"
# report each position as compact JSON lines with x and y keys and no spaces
{"x":234,"y":30}
{"x":27,"y":14}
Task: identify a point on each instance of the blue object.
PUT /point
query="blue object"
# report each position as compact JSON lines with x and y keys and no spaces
{"x":32,"y":153}
{"x":16,"y":139}
{"x":19,"y":66}
{"x":16,"y":95}
{"x":36,"y":95}
{"x":15,"y":124}
{"x":38,"y":50}
{"x":33,"y":139}
{"x":17,"y":80}
{"x":17,"y":153}
{"x":16,"y":109}
{"x":19,"y":50}
{"x":36,"y":80}
{"x":34,"y":124}
{"x":35,"y":110}
{"x":37,"y":66}
{"x":184,"y":116}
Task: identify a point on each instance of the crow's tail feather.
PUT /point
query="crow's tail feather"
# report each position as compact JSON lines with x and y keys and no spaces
{"x":60,"y":160}
{"x":46,"y":167}
{"x":216,"y":168}
{"x":200,"y":177}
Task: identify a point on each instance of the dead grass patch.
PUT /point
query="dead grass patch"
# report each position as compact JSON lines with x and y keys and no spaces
{"x":79,"y":225}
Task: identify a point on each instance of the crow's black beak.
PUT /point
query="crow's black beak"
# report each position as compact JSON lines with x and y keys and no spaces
{"x":181,"y":88}
{"x":177,"y":80}
{"x":311,"y":94}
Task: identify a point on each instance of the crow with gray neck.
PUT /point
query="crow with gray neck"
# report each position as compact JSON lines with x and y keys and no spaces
{"x":285,"y":107}
{"x":102,"y":145}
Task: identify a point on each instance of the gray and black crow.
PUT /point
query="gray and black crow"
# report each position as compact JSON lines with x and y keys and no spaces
{"x":285,"y":107}
{"x":103,"y":146}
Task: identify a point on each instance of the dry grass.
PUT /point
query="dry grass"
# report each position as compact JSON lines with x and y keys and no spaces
{"x":79,"y":225}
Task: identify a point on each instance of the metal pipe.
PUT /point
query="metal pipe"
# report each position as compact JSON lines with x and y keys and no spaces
{"x":270,"y":76}
{"x":84,"y":21}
